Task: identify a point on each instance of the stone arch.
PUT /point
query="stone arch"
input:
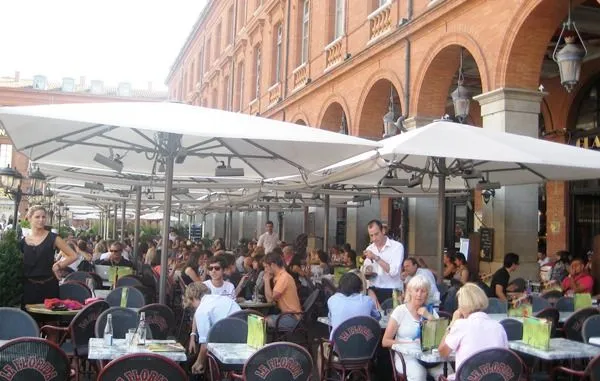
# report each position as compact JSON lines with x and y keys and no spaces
{"x":437,"y":71}
{"x":373,"y":104}
{"x":300,"y":118}
{"x":522,"y":52}
{"x":584,"y":87}
{"x":330,"y":116}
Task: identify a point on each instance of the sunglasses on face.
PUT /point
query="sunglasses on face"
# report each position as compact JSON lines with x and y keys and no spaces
{"x":215,"y":268}
{"x":115,"y":251}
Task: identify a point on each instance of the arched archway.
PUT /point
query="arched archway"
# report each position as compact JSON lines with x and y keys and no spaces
{"x":300,"y":122}
{"x":439,"y":77}
{"x":375,"y":106}
{"x":332,"y":118}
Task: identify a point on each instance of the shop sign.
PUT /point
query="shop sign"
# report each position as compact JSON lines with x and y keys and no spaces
{"x":591,"y":142}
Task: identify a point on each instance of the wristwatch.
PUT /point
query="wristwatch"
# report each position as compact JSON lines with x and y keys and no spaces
{"x":377,"y":259}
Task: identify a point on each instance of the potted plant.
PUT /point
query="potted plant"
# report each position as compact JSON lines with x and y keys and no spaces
{"x":11,"y":270}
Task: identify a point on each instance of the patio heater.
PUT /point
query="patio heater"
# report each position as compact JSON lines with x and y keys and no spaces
{"x":461,"y":99}
{"x":11,"y":180}
{"x":570,"y":57}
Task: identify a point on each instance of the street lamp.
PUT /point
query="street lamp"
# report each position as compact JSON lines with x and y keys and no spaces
{"x":570,"y":57}
{"x":461,"y":98}
{"x":11,"y":181}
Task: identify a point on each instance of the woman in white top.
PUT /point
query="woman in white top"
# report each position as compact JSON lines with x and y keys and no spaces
{"x":468,"y":323}
{"x":404,"y":328}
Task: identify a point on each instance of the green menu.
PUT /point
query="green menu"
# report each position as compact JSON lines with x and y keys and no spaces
{"x":582,"y":301}
{"x":521,"y":309}
{"x":536,"y":333}
{"x":119,"y":271}
{"x":432,"y":332}
{"x":257,"y":331}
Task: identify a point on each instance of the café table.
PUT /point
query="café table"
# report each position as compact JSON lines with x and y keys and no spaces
{"x":246,"y":304}
{"x":382,"y":323}
{"x":230,"y":353}
{"x":41,"y":309}
{"x":563,"y":316}
{"x":429,"y":357}
{"x":99,"y":351}
{"x":560,"y":349}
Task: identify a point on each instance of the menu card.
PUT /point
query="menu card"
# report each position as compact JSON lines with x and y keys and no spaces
{"x":520,"y":307}
{"x":582,"y":301}
{"x":432,"y":332}
{"x":536,"y":333}
{"x":119,"y":271}
{"x":257,"y":331}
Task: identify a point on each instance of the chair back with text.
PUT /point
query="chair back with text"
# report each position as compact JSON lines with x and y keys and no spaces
{"x":33,"y":359}
{"x":135,"y":298}
{"x":229,"y":330}
{"x":122,"y":320}
{"x":82,"y":326}
{"x":21,"y":324}
{"x":243,"y":314}
{"x":356,"y":339}
{"x":552,"y":296}
{"x":498,"y":363}
{"x":552,"y":315}
{"x":281,"y":361}
{"x":160,"y":319}
{"x":142,"y":366}
{"x":538,"y":303}
{"x":81,"y":276}
{"x":565,"y":304}
{"x":591,"y":328}
{"x":128,"y":280}
{"x":574,"y":323}
{"x":74,"y":290}
{"x":513,"y":328}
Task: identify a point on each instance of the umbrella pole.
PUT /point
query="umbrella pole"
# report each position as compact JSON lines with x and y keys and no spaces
{"x":326,"y":225}
{"x":136,"y":229}
{"x":164,"y":255}
{"x":115,"y":220}
{"x":441,"y":213}
{"x":123,"y":221}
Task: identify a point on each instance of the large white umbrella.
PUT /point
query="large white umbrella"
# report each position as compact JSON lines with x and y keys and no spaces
{"x":150,"y":138}
{"x":460,"y":154}
{"x":156,"y":216}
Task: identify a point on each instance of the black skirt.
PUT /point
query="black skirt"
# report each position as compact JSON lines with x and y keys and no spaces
{"x":37,"y":290}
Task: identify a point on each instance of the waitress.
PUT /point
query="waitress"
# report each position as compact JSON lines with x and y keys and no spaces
{"x":39,"y":268}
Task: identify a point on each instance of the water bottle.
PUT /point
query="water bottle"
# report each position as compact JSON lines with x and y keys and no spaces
{"x":108,"y":331}
{"x":528,"y":289}
{"x":141,"y":330}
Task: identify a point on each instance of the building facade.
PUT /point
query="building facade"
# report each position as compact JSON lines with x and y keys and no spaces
{"x":17,"y":91}
{"x":342,"y":65}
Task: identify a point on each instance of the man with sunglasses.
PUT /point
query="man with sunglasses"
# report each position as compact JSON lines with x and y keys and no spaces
{"x":217,"y":284}
{"x":116,"y":257}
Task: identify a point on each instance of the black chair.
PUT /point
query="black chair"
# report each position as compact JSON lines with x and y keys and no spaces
{"x":354,"y":344}
{"x":496,"y":306}
{"x":82,"y":276}
{"x":445,"y":314}
{"x":243,"y":314}
{"x":387,"y":304}
{"x":552,"y":315}
{"x":513,"y":328}
{"x":135,"y":298}
{"x":160,"y":319}
{"x":299,"y":364}
{"x":135,"y":365}
{"x":502,"y":364}
{"x":79,"y":332}
{"x":565,"y":304}
{"x":591,"y":371}
{"x":228,"y":330}
{"x":591,"y":328}
{"x":574,"y":323}
{"x":21,"y":324}
{"x":41,"y":360}
{"x":396,"y":374}
{"x":538,"y":303}
{"x":122,"y":320}
{"x":74,"y":290}
{"x":303,"y":325}
{"x":128,"y":280}
{"x":520,"y":284}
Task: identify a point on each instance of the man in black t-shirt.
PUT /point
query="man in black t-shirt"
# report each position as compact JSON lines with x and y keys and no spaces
{"x":500,"y":279}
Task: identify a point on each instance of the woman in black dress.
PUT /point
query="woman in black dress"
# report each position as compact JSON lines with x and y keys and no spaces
{"x":39,"y":268}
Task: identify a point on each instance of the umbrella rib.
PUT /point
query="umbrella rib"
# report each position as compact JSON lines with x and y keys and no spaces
{"x":102,"y":145}
{"x":235,"y":153}
{"x":274,"y":154}
{"x":80,"y":141}
{"x":61,"y":136}
{"x":134,"y":145}
{"x":144,"y":137}
{"x":194,"y":146}
{"x":532,"y":171}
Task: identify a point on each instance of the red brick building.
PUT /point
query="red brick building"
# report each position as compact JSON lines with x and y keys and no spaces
{"x":334,"y":63}
{"x":16,"y":91}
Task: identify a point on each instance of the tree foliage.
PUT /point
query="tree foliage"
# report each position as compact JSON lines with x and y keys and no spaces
{"x":11,"y":270}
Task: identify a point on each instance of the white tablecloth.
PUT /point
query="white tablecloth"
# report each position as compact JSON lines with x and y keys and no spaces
{"x":231,"y":354}
{"x":99,"y":351}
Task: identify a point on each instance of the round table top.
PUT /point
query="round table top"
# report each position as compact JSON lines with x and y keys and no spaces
{"x":41,"y":309}
{"x":253,"y":304}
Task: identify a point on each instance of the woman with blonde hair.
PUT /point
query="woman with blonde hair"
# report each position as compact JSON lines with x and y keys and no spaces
{"x":99,"y":249}
{"x":404,"y":327}
{"x":40,"y":271}
{"x":468,"y":322}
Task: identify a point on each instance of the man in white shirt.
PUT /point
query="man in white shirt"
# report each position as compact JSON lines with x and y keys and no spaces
{"x":217,"y":284}
{"x":268,"y":240}
{"x":411,"y":268}
{"x":209,"y":310}
{"x":384,"y":257}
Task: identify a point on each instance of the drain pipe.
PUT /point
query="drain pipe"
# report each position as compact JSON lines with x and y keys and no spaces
{"x":409,"y":9}
{"x":407,"y":56}
{"x":287,"y":50}
{"x":232,"y":76}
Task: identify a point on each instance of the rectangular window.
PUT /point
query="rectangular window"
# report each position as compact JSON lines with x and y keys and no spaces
{"x":278,"y":53}
{"x":305,"y":31}
{"x":242,"y":14}
{"x":207,"y":48}
{"x":200,"y":65}
{"x":225,"y":101}
{"x":257,"y":58}
{"x":340,"y":19}
{"x":218,"y":42}
{"x":240,"y":87}
{"x":5,"y":155}
{"x":230,"y":26}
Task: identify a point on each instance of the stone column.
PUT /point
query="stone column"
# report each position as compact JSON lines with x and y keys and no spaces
{"x":422,"y":215}
{"x":513,"y":212}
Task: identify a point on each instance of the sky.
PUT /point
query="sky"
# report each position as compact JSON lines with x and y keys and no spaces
{"x":133,"y":41}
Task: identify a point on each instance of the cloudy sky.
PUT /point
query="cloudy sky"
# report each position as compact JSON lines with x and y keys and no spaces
{"x":135,"y":41}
